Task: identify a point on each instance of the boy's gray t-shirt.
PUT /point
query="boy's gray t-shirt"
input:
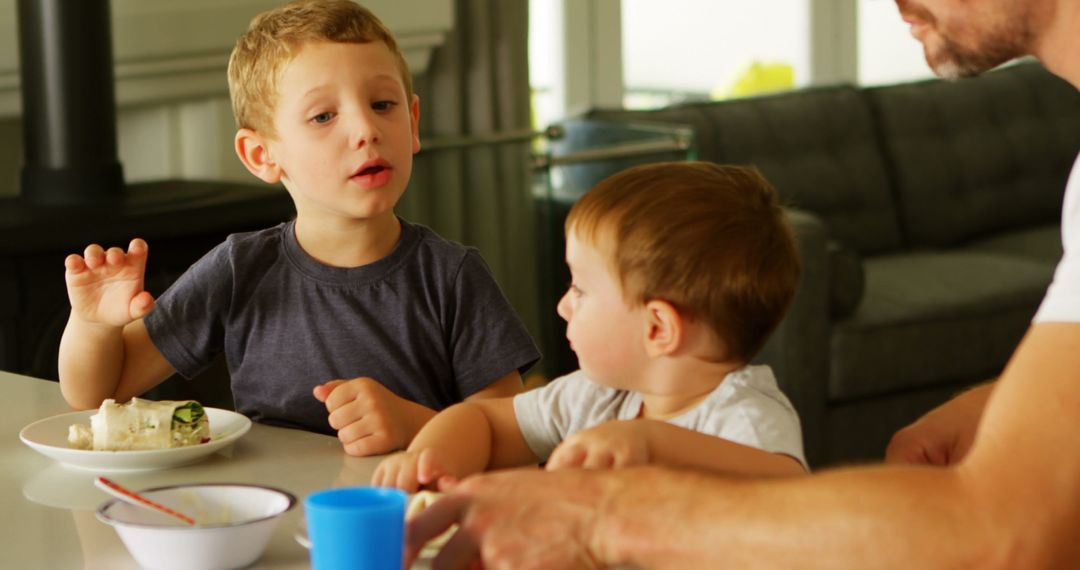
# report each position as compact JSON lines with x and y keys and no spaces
{"x":747,"y":407}
{"x":428,"y":321}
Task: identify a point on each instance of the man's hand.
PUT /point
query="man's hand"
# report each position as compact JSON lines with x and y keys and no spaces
{"x":409,"y":471}
{"x":944,"y":435}
{"x":518,"y":519}
{"x":369,"y":418}
{"x":610,"y":445}
{"x":106,"y":287}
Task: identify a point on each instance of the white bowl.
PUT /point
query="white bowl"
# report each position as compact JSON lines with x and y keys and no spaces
{"x":235,"y":525}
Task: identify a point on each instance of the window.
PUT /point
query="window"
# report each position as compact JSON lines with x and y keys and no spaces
{"x":544,"y":52}
{"x":887,"y":51}
{"x":679,"y":50}
{"x":683,"y":50}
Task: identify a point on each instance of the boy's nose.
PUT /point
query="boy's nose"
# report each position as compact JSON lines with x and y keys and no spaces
{"x":364,"y":131}
{"x":563,"y":308}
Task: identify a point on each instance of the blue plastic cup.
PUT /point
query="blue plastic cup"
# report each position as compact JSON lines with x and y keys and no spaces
{"x":356,"y":527}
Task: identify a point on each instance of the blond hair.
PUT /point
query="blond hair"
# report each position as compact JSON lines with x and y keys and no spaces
{"x":709,"y":239}
{"x":274,"y":37}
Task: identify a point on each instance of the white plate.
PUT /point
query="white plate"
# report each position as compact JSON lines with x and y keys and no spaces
{"x":49,"y":437}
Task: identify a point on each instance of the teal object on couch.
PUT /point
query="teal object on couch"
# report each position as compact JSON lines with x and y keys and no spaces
{"x":928,"y":221}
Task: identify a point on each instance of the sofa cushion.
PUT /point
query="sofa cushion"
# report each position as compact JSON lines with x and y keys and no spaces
{"x":980,"y":155}
{"x":816,"y":146}
{"x":1041,"y":243}
{"x":934,"y":317}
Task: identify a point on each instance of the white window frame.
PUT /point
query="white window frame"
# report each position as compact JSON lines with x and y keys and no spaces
{"x":589,"y":51}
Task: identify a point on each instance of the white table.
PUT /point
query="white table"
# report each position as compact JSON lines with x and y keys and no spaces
{"x":47,"y":510}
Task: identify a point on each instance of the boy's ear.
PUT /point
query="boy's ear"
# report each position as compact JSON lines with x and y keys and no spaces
{"x":414,"y":112}
{"x":254,"y":152}
{"x":664,"y":328}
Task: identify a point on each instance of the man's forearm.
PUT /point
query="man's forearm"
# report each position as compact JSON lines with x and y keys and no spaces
{"x":899,"y":518}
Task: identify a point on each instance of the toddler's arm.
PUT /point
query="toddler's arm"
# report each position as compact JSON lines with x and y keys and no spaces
{"x":461,"y":440}
{"x":105,"y":351}
{"x":635,"y":442}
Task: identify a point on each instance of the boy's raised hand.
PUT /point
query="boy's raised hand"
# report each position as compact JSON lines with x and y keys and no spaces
{"x":369,"y":418}
{"x":106,"y":287}
{"x":610,"y":445}
{"x":410,"y":471}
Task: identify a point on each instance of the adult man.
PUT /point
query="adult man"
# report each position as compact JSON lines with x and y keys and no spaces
{"x":1011,"y":501}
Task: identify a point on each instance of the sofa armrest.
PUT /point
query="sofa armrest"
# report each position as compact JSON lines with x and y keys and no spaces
{"x":798,"y":351}
{"x":846,"y":279}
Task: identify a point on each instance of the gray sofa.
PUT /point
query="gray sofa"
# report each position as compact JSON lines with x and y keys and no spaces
{"x":927,"y":216}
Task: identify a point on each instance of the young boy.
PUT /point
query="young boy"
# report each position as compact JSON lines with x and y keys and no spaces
{"x":680,"y":271}
{"x":347,"y":318}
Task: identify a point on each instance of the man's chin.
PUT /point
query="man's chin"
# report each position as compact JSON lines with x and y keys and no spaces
{"x":950,"y":71}
{"x":951,"y":62}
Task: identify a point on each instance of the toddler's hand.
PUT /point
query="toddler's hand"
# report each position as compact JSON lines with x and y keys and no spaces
{"x":409,"y":471}
{"x":106,"y":287}
{"x":365,"y":414}
{"x":609,"y":445}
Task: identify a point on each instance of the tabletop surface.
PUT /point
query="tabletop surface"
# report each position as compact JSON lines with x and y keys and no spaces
{"x":48,"y":509}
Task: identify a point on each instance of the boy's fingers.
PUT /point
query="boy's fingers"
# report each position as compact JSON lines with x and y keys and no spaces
{"x":447,"y":483}
{"x":429,"y":467}
{"x":566,"y":456}
{"x":74,"y":263}
{"x":141,"y":305}
{"x":347,"y":391}
{"x":93,"y":255}
{"x":406,"y":478}
{"x":322,"y":391}
{"x":138,"y":247}
{"x":350,"y":429}
{"x":369,"y":445}
{"x":378,"y":478}
{"x":114,"y":256}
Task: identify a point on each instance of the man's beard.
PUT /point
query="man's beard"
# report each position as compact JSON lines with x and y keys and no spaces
{"x":995,"y":47}
{"x":953,"y":61}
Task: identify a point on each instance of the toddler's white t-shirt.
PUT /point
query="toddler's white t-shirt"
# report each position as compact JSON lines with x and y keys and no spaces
{"x":747,"y":407}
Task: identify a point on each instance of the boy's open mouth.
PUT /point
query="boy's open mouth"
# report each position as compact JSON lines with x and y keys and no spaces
{"x":371,"y":170}
{"x":372,"y":167}
{"x":373,"y":174}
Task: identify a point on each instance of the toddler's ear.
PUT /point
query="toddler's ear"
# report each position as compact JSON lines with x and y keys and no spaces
{"x":664,"y":329}
{"x":254,"y":152}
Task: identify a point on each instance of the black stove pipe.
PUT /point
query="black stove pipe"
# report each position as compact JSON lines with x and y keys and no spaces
{"x":69,"y":107}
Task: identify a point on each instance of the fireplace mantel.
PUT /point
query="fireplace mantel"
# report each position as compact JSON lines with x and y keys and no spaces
{"x":166,"y":50}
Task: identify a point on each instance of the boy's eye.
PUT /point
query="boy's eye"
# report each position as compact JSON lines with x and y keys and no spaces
{"x":575,"y":290}
{"x":322,"y":118}
{"x":382,"y":105}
